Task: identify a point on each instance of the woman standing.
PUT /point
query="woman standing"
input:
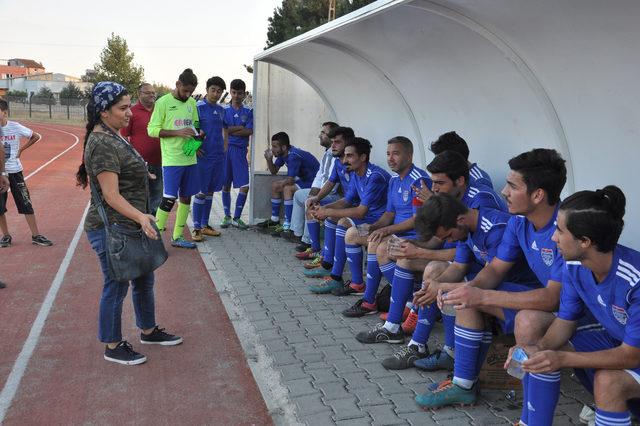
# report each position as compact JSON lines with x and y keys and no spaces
{"x":119,"y":174}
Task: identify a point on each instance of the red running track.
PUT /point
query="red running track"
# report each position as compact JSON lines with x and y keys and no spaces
{"x":206,"y":380}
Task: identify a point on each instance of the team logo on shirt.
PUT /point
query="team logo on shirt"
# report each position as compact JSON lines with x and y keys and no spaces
{"x":244,"y":118}
{"x":346,"y":176}
{"x":619,"y":314}
{"x":405,"y":196}
{"x":547,"y":256}
{"x":534,"y":246}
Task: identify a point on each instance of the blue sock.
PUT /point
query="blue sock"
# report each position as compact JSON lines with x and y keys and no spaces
{"x":242,"y":198}
{"x":329,"y":241}
{"x":373,"y":278}
{"x":449,"y":322}
{"x":426,"y":320}
{"x":354,"y":257}
{"x":524,"y":415}
{"x":196,"y":212}
{"x":401,"y":290}
{"x":543,"y":394}
{"x":206,"y":211}
{"x":467,"y":344}
{"x":314,"y":234}
{"x":226,"y":202}
{"x":487,"y":337}
{"x":275,"y":209}
{"x":387,"y":270}
{"x":288,"y":211}
{"x":340,"y":255}
{"x":610,"y":418}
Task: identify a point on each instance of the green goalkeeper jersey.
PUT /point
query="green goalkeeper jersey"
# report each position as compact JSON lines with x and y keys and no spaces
{"x":170,"y":113}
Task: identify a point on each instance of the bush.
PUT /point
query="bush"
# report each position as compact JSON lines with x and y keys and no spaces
{"x":44,"y":97}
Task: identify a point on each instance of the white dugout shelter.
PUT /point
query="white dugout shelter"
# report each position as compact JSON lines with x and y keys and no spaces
{"x":507,"y":75}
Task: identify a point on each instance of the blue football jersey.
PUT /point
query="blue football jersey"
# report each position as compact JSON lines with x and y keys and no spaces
{"x":371,"y":189}
{"x":340,"y":174}
{"x":301,"y":165}
{"x":238,"y":117}
{"x":479,"y":176}
{"x":615,"y":302}
{"x":478,"y":196}
{"x":481,"y":246}
{"x":520,"y":237}
{"x":400,"y":197}
{"x":211,"y":118}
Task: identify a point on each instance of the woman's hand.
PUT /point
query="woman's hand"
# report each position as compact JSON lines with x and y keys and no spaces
{"x":146,"y":223}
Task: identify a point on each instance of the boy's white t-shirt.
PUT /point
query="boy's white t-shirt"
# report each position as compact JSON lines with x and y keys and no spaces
{"x":10,"y":140}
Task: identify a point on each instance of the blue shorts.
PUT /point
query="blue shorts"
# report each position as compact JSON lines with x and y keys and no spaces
{"x":303,"y":184}
{"x":369,"y":219}
{"x":180,"y":181}
{"x":236,"y":167}
{"x":211,"y":174}
{"x":508,"y":324}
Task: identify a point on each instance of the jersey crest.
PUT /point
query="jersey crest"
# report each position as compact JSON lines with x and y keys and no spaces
{"x":405,"y":196}
{"x":619,"y":314}
{"x":547,"y":256}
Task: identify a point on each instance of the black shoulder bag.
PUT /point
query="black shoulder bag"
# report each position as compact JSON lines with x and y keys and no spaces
{"x":130,"y":253}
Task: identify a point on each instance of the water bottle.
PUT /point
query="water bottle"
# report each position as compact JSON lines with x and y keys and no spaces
{"x":515,"y":364}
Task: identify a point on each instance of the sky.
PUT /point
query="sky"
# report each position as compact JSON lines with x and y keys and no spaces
{"x":214,"y":37}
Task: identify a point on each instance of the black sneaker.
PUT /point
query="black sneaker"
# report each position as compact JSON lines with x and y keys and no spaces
{"x":41,"y":240}
{"x":404,"y":358}
{"x":5,"y":241}
{"x":290,"y":236}
{"x":360,"y":309}
{"x":124,"y":354}
{"x":267,"y":224}
{"x":379,"y":334}
{"x":347,"y":289}
{"x":2,"y":285}
{"x":159,"y":337}
{"x":302,"y":247}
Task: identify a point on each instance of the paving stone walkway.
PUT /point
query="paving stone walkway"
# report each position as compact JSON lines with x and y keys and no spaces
{"x":303,"y":353}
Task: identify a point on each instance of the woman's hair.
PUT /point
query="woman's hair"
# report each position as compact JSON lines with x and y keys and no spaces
{"x":93,"y":119}
{"x":597,"y":215}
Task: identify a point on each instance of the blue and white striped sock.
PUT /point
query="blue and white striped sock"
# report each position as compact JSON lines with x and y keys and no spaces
{"x":611,"y":418}
{"x":543,"y":394}
{"x":468,"y":341}
{"x":288,"y":210}
{"x":426,"y":320}
{"x":340,"y":255}
{"x":329,"y":241}
{"x":354,"y":257}
{"x":387,"y":270}
{"x":206,"y":210}
{"x":275,"y":209}
{"x":401,"y":290}
{"x":373,"y":278}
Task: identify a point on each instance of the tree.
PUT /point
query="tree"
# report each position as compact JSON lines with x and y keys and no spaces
{"x":71,"y":95}
{"x":116,"y":64}
{"x":295,"y":17}
{"x":160,"y":89}
{"x":44,"y":96}
{"x":17,"y":95}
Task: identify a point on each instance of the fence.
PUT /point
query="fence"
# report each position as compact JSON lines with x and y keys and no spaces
{"x":57,"y":109}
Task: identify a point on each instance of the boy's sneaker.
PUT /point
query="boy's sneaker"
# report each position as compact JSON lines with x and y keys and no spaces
{"x":277,"y":232}
{"x":159,"y":337}
{"x":196,"y":235}
{"x":379,"y":334}
{"x":238,"y":223}
{"x":325,"y":286}
{"x":349,"y":288}
{"x":5,"y":241}
{"x":448,"y":393}
{"x":210,"y":231}
{"x":439,"y":360}
{"x":182,"y":243}
{"x":405,"y":314}
{"x":409,"y":324}
{"x":316,"y":262}
{"x":404,"y":358}
{"x":288,"y":235}
{"x":267,"y":224}
{"x":226,"y":222}
{"x":124,"y":354}
{"x":302,"y":247}
{"x":41,"y":240}
{"x":317,"y":273}
{"x":360,"y":309}
{"x":307,"y":254}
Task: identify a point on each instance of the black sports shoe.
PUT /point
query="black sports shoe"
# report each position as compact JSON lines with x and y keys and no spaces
{"x":360,"y":309}
{"x":302,"y":247}
{"x":41,"y":240}
{"x":404,"y":358}
{"x":5,"y":241}
{"x":379,"y":334}
{"x":159,"y":337}
{"x":267,"y":224}
{"x":2,"y":285}
{"x":124,"y":354}
{"x":347,"y":290}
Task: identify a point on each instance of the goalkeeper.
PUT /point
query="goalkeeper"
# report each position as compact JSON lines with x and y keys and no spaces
{"x":175,"y":122}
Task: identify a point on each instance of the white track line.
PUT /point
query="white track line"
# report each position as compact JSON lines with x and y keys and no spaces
{"x":19,"y":367}
{"x":57,"y":156}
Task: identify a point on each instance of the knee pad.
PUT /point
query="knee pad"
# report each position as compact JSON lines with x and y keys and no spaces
{"x":167,"y":204}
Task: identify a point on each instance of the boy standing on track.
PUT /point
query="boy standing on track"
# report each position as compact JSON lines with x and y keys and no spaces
{"x":10,"y":135}
{"x":4,"y":184}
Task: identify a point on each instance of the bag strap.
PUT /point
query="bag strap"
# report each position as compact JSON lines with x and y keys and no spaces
{"x":99,"y":202}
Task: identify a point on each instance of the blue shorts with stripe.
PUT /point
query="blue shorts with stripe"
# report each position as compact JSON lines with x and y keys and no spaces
{"x":211,"y":173}
{"x":236,"y":167}
{"x":180,"y":181}
{"x":508,"y":323}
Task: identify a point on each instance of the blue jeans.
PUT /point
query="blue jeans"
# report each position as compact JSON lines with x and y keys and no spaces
{"x":155,"y":188}
{"x":114,"y":292}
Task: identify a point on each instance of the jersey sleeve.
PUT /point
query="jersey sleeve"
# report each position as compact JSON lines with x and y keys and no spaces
{"x":294,"y":165}
{"x":493,"y":240}
{"x":558,"y":268}
{"x":632,"y":329}
{"x":485,"y":199}
{"x":571,"y":305}
{"x":23,"y":131}
{"x":279,"y":162}
{"x":376,"y":188}
{"x":463,"y":253}
{"x":104,"y":158}
{"x":509,"y":249}
{"x":156,"y":120}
